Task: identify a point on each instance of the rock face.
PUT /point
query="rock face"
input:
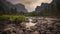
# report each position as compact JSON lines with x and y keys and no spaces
{"x":52,"y":9}
{"x":45,"y":6}
{"x":7,"y":6}
{"x":42,"y":7}
{"x":20,"y":8}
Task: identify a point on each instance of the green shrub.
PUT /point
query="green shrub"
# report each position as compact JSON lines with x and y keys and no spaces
{"x":2,"y":18}
{"x":12,"y":17}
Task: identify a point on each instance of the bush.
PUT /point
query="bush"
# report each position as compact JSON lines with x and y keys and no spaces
{"x":2,"y":18}
{"x":12,"y":18}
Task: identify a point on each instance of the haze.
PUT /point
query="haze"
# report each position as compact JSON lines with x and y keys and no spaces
{"x":30,"y":5}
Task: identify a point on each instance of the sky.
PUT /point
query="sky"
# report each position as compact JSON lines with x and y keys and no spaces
{"x":30,"y":5}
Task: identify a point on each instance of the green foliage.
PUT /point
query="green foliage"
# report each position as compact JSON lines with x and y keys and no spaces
{"x":12,"y":17}
{"x":4,"y":18}
{"x":20,"y":18}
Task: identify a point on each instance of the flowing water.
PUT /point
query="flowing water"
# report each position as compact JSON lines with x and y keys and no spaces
{"x":30,"y":23}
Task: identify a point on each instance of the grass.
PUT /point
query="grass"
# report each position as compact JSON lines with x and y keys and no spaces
{"x":13,"y":17}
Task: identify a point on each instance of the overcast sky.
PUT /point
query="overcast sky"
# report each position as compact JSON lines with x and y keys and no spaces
{"x":30,"y":5}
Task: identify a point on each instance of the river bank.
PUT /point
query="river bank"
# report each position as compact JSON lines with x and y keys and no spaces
{"x":44,"y":26}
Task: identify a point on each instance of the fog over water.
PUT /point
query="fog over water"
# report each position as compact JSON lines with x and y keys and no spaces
{"x":30,"y":5}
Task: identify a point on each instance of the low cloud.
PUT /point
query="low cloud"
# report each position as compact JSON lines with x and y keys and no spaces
{"x":30,"y":4}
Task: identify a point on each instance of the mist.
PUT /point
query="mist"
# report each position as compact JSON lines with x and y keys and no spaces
{"x":30,"y":5}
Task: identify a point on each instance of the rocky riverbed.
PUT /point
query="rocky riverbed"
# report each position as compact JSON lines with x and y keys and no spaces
{"x":42,"y":27}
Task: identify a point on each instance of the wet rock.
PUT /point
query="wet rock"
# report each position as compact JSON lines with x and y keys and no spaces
{"x":35,"y":32}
